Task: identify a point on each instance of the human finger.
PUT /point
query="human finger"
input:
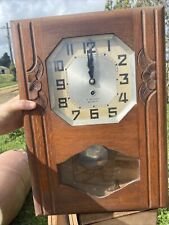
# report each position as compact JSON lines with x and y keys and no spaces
{"x":16,"y":105}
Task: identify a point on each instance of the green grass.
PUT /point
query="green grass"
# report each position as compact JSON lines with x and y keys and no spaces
{"x":27,"y":215}
{"x":7,"y":80}
{"x":163,"y":217}
{"x":13,"y":140}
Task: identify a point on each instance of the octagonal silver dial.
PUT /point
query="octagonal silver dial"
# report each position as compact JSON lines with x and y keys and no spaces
{"x":92,"y":79}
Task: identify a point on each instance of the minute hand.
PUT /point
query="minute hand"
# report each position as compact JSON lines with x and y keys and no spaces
{"x":90,"y":65}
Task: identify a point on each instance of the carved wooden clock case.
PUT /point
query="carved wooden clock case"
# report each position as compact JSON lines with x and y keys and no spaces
{"x":97,"y":140}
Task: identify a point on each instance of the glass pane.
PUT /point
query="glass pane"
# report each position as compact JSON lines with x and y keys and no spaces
{"x":99,"y":171}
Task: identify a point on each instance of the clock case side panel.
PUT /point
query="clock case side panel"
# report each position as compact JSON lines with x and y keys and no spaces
{"x":152,"y":63}
{"x":27,"y":66}
{"x":162,"y":104}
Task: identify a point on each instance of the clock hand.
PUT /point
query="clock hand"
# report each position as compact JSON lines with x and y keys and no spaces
{"x":90,"y":65}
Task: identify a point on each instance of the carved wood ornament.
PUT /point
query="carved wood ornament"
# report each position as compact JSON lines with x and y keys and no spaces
{"x":148,"y":76}
{"x":34,"y":75}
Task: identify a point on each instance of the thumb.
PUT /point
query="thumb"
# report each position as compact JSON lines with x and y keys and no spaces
{"x":22,"y":105}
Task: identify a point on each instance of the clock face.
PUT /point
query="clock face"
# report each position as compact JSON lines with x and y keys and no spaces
{"x":92,"y":79}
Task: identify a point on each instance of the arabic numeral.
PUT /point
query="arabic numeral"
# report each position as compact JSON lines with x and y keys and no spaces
{"x":62,"y":102}
{"x":122,"y":59}
{"x":94,"y":114}
{"x":125,"y":78}
{"x":76,"y":113}
{"x":123,"y":97}
{"x":89,"y":45}
{"x":112,"y":112}
{"x":58,"y":65}
{"x":60,"y":84}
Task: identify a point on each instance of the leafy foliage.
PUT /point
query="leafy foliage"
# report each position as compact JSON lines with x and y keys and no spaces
{"x":163,"y":217}
{"x":5,"y":60}
{"x":13,"y":71}
{"x":109,"y":5}
{"x":123,"y":4}
{"x":145,"y":3}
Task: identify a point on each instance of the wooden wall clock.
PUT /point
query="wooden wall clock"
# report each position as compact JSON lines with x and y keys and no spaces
{"x":97,"y":140}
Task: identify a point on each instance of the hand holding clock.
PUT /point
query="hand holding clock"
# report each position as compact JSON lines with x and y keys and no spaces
{"x":12,"y":112}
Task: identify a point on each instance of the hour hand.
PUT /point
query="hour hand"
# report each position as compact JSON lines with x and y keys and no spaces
{"x":90,"y":65}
